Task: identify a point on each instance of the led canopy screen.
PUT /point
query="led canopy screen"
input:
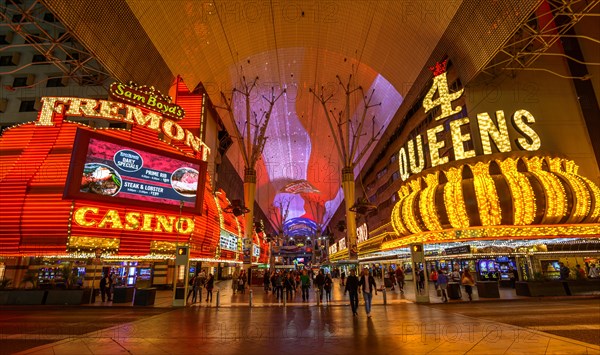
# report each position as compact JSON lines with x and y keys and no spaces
{"x":112,"y":170}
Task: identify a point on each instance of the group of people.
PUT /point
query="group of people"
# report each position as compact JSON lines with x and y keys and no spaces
{"x":199,"y":281}
{"x":238,"y":282}
{"x":280,"y":281}
{"x":441,"y":279}
{"x":367,"y":284}
{"x":591,"y":272}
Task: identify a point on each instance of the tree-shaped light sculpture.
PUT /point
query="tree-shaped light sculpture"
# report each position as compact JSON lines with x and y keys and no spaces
{"x":251,"y":140}
{"x":316,"y":206}
{"x":278,"y":214}
{"x":347,"y":130}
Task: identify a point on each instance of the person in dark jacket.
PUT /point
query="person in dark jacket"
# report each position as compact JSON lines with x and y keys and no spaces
{"x":105,"y":288}
{"x":288,"y":284}
{"x":320,"y":283}
{"x":210,"y":284}
{"x":368,"y":286}
{"x":327,"y":287}
{"x":352,"y":289}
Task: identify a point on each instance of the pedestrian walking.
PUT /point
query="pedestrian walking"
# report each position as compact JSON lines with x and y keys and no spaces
{"x":352,"y":290}
{"x":327,"y":287}
{"x":105,"y":288}
{"x":392,"y":276}
{"x":442,"y":285}
{"x":191,"y":287}
{"x":210,"y":284}
{"x":400,"y":279}
{"x":319,"y":283}
{"x":468,"y":281}
{"x":305,"y":284}
{"x":368,"y":286}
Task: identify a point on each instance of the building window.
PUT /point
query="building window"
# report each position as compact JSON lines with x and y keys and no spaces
{"x":55,"y":83}
{"x":3,"y":39}
{"x":39,"y":58}
{"x":27,"y":106}
{"x":17,"y":18}
{"x":49,"y":17}
{"x":19,"y":82}
{"x":7,"y":60}
{"x":73,"y":56}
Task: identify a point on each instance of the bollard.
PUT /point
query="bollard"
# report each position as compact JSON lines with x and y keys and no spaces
{"x":285,"y":297}
{"x":384,"y":296}
{"x":218,"y":298}
{"x":250,"y":299}
{"x":317,"y":291}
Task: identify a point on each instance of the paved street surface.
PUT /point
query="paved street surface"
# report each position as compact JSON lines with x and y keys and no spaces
{"x":541,"y":326}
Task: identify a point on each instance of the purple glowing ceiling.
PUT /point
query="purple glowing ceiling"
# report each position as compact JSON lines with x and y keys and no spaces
{"x":299,"y":146}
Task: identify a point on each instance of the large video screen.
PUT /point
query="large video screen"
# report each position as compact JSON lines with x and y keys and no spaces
{"x":113,"y":170}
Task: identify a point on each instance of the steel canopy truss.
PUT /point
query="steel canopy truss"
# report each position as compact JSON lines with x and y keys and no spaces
{"x":52,"y":40}
{"x":534,"y":38}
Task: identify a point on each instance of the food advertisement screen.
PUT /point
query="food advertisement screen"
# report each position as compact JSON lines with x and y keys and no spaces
{"x":109,"y":169}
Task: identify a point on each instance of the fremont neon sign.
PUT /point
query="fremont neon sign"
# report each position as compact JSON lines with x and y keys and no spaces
{"x":117,"y":111}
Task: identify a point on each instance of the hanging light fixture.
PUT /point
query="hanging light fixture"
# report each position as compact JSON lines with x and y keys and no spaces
{"x":363,"y":206}
{"x":237,"y":208}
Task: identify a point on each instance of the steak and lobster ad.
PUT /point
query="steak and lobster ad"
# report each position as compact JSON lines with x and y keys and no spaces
{"x":109,"y":169}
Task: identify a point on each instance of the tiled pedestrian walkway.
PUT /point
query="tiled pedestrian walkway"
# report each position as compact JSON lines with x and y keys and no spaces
{"x":404,"y":328}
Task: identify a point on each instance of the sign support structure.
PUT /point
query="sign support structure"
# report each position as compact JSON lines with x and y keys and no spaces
{"x":417,"y":258}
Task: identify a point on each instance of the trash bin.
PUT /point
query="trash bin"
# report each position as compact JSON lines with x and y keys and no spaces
{"x":144,"y":297}
{"x":454,"y":291}
{"x":180,"y":293}
{"x":123,"y":295}
{"x":488,"y":289}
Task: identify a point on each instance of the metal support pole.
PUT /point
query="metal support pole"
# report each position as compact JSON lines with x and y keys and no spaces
{"x":284,"y":297}
{"x":384,"y":296}
{"x":250,"y":299}
{"x":93,"y":281}
{"x":218,"y":298}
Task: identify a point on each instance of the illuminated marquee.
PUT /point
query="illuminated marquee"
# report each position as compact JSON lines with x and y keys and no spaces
{"x":146,"y":97}
{"x":117,"y":111}
{"x":91,"y":217}
{"x":411,"y":157}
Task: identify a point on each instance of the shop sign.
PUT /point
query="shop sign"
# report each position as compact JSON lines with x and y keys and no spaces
{"x":342,"y":244}
{"x":333,"y":248}
{"x":362,"y":233}
{"x":113,"y":219}
{"x":463,"y":249}
{"x":149,"y":98}
{"x":411,"y":157}
{"x":117,"y":111}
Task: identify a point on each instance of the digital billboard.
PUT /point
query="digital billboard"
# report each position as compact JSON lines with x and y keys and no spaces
{"x":113,"y":170}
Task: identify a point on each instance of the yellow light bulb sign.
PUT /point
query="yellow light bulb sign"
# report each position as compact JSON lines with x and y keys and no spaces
{"x":457,"y":134}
